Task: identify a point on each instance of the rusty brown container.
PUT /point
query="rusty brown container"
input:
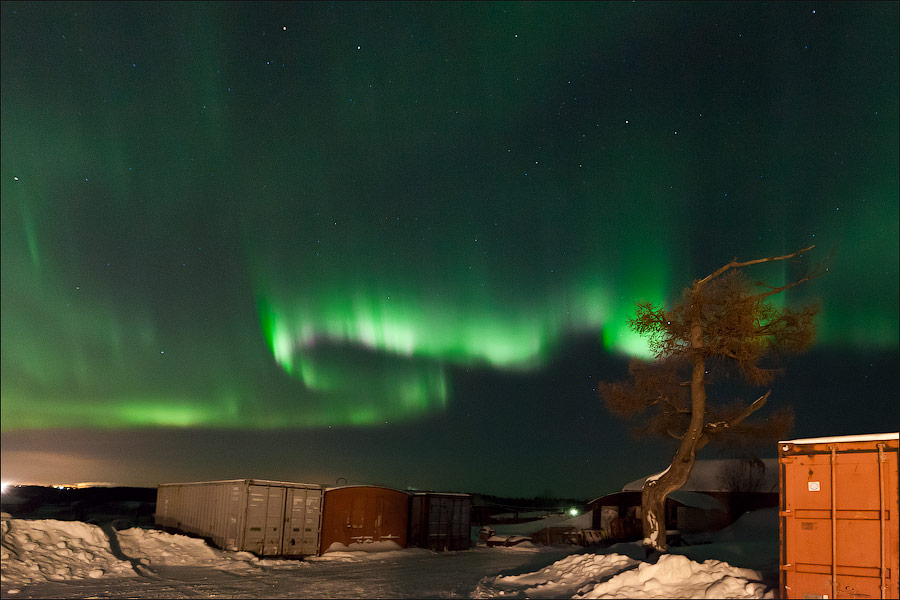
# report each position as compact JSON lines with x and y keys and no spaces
{"x":357,"y":515}
{"x":838,"y":523}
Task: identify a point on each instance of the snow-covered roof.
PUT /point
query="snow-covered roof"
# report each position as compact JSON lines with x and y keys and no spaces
{"x":871,"y":437}
{"x":364,"y":485}
{"x":705,"y":477}
{"x":698,"y":500}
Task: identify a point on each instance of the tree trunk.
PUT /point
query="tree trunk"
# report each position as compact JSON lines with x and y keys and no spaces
{"x":657,"y":488}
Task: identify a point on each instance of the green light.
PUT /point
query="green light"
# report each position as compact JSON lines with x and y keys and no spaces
{"x":304,"y":260}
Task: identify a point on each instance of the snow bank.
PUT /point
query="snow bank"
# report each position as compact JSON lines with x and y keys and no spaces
{"x":152,"y":547}
{"x":50,"y":550}
{"x":384,"y":546}
{"x":674,"y":576}
{"x":620,"y":576}
{"x":357,"y":552}
{"x":561,"y":579}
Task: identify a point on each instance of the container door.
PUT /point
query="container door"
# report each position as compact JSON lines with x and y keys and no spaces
{"x":438,"y":523}
{"x":312,"y":528}
{"x":232,"y":514}
{"x":459,"y":524}
{"x":379,"y":517}
{"x":809,"y":530}
{"x":302,"y":516}
{"x":417,"y":522}
{"x":265,"y":516}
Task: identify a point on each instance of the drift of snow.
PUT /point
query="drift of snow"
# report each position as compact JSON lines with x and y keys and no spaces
{"x":158,"y":548}
{"x":675,"y":576}
{"x":50,"y":550}
{"x":359,"y":552}
{"x":695,"y":571}
{"x":672,"y":576}
{"x":561,"y":579}
{"x":383,"y":546}
{"x":73,"y":559}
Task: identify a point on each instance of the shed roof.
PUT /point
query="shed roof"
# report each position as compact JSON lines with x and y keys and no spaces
{"x":705,"y":477}
{"x":690,"y":499}
{"x":698,"y":500}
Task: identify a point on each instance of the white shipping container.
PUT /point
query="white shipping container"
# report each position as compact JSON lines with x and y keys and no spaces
{"x":268,"y":518}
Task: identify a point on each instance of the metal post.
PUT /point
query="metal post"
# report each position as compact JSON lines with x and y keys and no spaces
{"x":881,"y":514}
{"x":833,"y":525}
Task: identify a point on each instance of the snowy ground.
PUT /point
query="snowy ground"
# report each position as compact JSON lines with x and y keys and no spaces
{"x":69,"y":559}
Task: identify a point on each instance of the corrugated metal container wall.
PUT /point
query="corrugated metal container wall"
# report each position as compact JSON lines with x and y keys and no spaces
{"x":269,"y":518}
{"x":440,"y":521}
{"x":838,"y":517}
{"x":360,"y":514}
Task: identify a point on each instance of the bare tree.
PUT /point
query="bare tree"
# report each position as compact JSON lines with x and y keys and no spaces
{"x":744,"y":475}
{"x":722,"y":325}
{"x":744,"y":479}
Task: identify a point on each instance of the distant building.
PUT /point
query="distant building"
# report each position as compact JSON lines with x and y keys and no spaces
{"x":739,"y":485}
{"x":716,"y":493}
{"x":618,"y":515}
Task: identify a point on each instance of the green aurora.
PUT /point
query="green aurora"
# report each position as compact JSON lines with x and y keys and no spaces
{"x":313,"y":215}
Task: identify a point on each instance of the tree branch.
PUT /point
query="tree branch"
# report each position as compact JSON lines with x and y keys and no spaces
{"x":720,"y":426}
{"x":735,"y":264}
{"x":778,"y":289}
{"x":674,"y":407}
{"x":729,"y":423}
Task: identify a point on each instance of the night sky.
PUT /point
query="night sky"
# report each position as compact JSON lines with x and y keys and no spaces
{"x":397,"y":243}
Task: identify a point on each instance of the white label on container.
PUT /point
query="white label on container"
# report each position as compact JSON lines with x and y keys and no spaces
{"x":813,"y":486}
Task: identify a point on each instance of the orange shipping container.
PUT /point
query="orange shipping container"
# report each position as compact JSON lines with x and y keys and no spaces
{"x":838,"y":522}
{"x":363,"y":514}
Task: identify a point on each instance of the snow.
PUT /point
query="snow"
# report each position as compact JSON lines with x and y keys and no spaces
{"x":48,"y":558}
{"x":698,"y":500}
{"x":561,"y":579}
{"x":582,"y":521}
{"x":696,"y":571}
{"x":870,"y":437}
{"x":165,"y":549}
{"x":619,"y":576}
{"x":658,"y":475}
{"x":674,"y":576}
{"x":50,"y":550}
{"x":383,"y":546}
